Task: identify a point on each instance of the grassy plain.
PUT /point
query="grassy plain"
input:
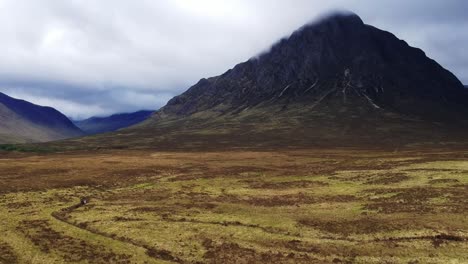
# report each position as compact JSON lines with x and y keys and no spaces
{"x":296,"y":206}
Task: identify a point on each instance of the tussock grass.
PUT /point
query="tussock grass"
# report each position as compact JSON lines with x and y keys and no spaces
{"x":303,"y":206}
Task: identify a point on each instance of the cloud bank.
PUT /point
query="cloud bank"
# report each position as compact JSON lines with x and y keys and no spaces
{"x":87,"y":57}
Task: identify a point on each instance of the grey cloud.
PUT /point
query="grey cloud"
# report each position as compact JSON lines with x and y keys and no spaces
{"x":88,"y":57}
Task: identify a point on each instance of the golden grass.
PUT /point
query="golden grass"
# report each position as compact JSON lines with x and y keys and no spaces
{"x":303,"y":206}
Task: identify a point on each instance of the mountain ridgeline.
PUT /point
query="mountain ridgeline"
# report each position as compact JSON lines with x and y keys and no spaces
{"x":338,"y":57}
{"x":334,"y":82}
{"x":96,"y":125}
{"x":22,"y":122}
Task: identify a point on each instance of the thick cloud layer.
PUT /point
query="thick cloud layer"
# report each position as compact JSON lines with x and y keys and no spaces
{"x":88,"y":57}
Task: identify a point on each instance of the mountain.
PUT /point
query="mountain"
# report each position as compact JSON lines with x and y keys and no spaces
{"x":335,"y":82}
{"x":21,"y":121}
{"x":338,"y":58}
{"x":96,"y":125}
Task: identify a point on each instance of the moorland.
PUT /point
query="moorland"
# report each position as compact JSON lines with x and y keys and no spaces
{"x":320,"y":205}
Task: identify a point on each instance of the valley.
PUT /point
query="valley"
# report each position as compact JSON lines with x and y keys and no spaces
{"x":316,"y":205}
{"x":340,"y":143}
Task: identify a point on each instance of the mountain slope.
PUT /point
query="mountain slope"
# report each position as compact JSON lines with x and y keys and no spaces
{"x":340,"y":57}
{"x":96,"y":125}
{"x":335,"y":82}
{"x":21,"y":121}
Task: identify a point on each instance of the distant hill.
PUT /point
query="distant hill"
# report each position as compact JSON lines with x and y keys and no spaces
{"x":96,"y":125}
{"x":22,"y":121}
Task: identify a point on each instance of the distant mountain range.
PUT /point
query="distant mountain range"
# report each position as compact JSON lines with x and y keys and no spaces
{"x":335,"y":82}
{"x":21,"y":121}
{"x":96,"y":125}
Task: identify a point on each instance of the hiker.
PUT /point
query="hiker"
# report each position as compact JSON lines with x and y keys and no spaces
{"x":84,"y":201}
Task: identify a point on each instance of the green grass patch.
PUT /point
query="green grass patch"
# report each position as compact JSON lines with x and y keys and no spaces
{"x":27,"y":148}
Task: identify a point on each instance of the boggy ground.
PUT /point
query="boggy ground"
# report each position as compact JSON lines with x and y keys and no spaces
{"x":298,"y":206}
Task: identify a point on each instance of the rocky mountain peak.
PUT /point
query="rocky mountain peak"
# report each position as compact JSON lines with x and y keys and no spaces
{"x":337,"y":82}
{"x":338,"y":60}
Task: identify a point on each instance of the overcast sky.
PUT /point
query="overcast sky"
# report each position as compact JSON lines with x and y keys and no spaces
{"x":98,"y":57}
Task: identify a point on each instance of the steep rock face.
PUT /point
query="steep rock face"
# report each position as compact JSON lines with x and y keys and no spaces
{"x":341,"y":59}
{"x":21,"y":121}
{"x":96,"y":125}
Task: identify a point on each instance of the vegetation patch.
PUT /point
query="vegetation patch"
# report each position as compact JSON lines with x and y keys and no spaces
{"x":297,"y":199}
{"x":419,"y":200}
{"x":18,"y":205}
{"x":284,"y":185}
{"x":388,"y":178}
{"x":363,"y":225}
{"x":7,"y":254}
{"x":229,"y":252}
{"x":27,"y":148}
{"x":71,"y":249}
{"x":442,"y":181}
